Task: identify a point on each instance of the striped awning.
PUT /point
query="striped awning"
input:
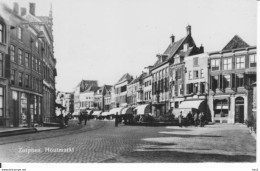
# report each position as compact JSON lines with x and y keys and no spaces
{"x":143,"y":109}
{"x":127,"y":110}
{"x":116,"y":110}
{"x":97,"y":113}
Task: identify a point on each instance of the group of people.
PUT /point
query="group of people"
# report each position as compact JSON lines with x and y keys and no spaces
{"x":195,"y":119}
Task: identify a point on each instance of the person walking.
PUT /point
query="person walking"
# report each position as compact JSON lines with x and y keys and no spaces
{"x":80,"y":118}
{"x":189,"y":118}
{"x":201,"y":119}
{"x":180,"y":117}
{"x":195,"y":119}
{"x":116,"y":120}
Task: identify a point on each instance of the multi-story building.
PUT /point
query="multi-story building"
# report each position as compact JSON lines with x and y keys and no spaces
{"x":100,"y":95}
{"x":80,"y":88}
{"x":232,"y":72}
{"x":121,"y":90}
{"x":87,"y":98}
{"x":196,"y":85}
{"x":29,"y":42}
{"x":107,"y":98}
{"x":168,"y":73}
{"x":147,"y":89}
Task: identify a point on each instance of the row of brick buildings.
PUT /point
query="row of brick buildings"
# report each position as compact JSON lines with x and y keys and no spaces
{"x":185,"y":78}
{"x":27,"y":67}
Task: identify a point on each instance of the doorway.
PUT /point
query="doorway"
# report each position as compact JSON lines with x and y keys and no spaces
{"x":239,"y":110}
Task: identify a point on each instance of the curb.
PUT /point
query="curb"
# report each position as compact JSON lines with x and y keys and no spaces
{"x":18,"y":132}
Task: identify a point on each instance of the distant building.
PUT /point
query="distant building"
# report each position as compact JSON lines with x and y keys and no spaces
{"x":121,"y":90}
{"x":80,"y":88}
{"x":232,"y":72}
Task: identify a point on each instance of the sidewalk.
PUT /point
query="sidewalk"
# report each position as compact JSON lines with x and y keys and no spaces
{"x":17,"y":131}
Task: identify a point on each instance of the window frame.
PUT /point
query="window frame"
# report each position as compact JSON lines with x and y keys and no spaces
{"x":2,"y":33}
{"x":1,"y":64}
{"x":19,"y":33}
{"x":254,"y":61}
{"x":12,"y":53}
{"x":226,"y":64}
{"x":214,"y":67}
{"x":20,"y":56}
{"x":238,"y":63}
{"x":196,"y":76}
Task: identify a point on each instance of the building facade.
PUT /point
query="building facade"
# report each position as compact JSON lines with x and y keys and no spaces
{"x":29,"y":43}
{"x":232,"y":72}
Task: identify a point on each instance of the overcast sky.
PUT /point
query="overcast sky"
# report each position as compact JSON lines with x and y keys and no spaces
{"x":104,"y":39}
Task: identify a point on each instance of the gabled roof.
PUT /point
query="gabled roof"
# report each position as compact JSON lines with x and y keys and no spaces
{"x":85,"y":84}
{"x":139,"y":78}
{"x":125,"y":77}
{"x":235,"y":43}
{"x":92,"y":88}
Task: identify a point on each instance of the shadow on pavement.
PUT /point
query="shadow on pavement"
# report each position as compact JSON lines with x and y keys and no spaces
{"x":177,"y":157}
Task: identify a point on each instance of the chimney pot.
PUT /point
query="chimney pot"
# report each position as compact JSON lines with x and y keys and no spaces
{"x":32,"y":8}
{"x":172,"y":38}
{"x":16,"y":8}
{"x":188,"y":28}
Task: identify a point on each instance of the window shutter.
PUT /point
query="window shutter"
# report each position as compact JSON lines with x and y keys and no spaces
{"x":176,"y":90}
{"x":181,"y":92}
{"x":7,"y":66}
{"x":247,"y":61}
{"x":233,"y":62}
{"x":166,"y":84}
{"x":153,"y":88}
{"x":187,"y":88}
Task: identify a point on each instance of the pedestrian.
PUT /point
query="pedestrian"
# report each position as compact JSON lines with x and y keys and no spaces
{"x":66,"y":119}
{"x":195,"y":119}
{"x":116,"y":120}
{"x":80,"y":117}
{"x":201,"y":119}
{"x":189,"y":118}
{"x":85,"y":116}
{"x":180,"y":119}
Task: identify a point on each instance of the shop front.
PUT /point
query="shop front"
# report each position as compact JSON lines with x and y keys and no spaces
{"x":26,"y":109}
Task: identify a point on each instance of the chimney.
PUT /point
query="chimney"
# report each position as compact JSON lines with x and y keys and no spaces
{"x":188,"y":28}
{"x":23,"y":11}
{"x":32,"y":8}
{"x":172,"y":39}
{"x":201,"y":49}
{"x":16,"y":8}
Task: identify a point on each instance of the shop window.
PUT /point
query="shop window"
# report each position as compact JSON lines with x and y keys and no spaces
{"x":227,"y":64}
{"x":214,"y":82}
{"x":23,"y":115}
{"x":240,"y":62}
{"x":12,"y":53}
{"x":215,"y":64}
{"x":252,"y":60}
{"x":202,"y":87}
{"x":221,"y":108}
{"x":1,"y":101}
{"x":176,"y":105}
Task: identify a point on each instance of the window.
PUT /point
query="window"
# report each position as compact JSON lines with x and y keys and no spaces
{"x":195,"y":61}
{"x":20,"y":56}
{"x":1,"y":101}
{"x":190,"y":75}
{"x":26,"y":81}
{"x":12,"y":52}
{"x":196,"y":74}
{"x":226,"y":81}
{"x":36,"y":64}
{"x":240,"y":62}
{"x":37,"y":45}
{"x":215,"y":64}
{"x":202,"y":74}
{"x":202,"y":87}
{"x":33,"y":82}
{"x":2,"y":36}
{"x":195,"y":88}
{"x":227,"y":64}
{"x":20,"y":79}
{"x":26,"y":59}
{"x":1,"y":65}
{"x":240,"y":80}
{"x":33,"y":63}
{"x":252,"y":59}
{"x":19,"y":33}
{"x":12,"y":76}
{"x":176,"y":104}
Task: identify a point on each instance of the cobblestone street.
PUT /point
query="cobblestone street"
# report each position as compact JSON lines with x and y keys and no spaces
{"x":100,"y":141}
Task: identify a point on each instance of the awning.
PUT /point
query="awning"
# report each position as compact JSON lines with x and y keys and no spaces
{"x":190,"y":104}
{"x":127,"y":110}
{"x":75,"y":114}
{"x":116,"y":110}
{"x":97,"y":113}
{"x":104,"y":113}
{"x":89,"y":112}
{"x":143,"y":109}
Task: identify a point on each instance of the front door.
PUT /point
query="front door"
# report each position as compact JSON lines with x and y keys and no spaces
{"x":239,"y":115}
